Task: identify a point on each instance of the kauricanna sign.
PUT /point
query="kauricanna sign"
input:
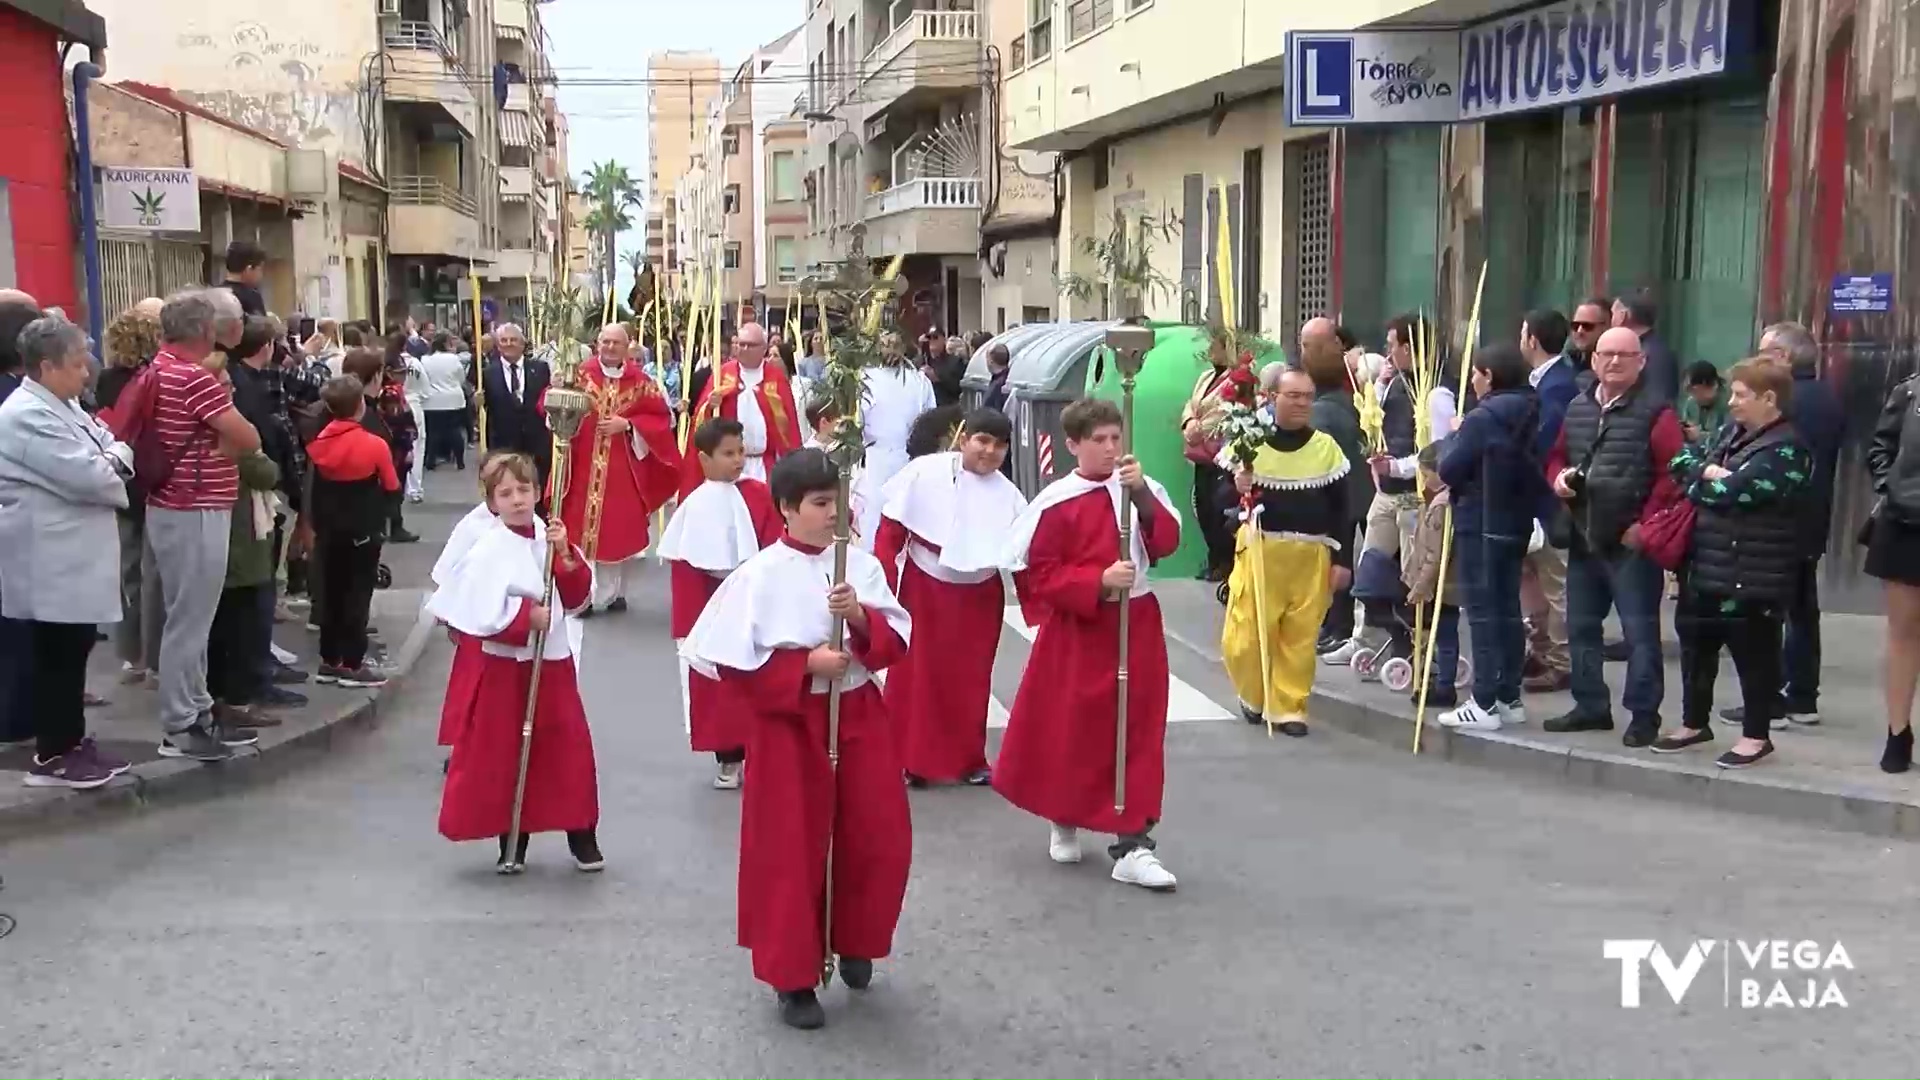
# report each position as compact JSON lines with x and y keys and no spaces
{"x":1546,"y":57}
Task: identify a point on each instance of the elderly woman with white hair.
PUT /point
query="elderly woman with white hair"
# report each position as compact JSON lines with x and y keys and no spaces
{"x":62,"y":477}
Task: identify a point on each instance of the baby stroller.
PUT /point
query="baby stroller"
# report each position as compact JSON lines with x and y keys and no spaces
{"x":1399,"y":661}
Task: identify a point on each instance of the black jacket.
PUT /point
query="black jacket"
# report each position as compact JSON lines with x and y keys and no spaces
{"x":1893,"y":457}
{"x":1490,"y":466}
{"x":1814,"y":411}
{"x":518,"y":424}
{"x":1746,"y":533}
{"x":1334,"y":413}
{"x":1662,"y":374}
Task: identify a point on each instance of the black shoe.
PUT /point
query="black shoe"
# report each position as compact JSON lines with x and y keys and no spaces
{"x":519,"y":861}
{"x":1616,"y":652}
{"x":856,"y":973}
{"x":1438,"y":697}
{"x":287,"y":675}
{"x":1898,"y":756}
{"x":1577,"y":721}
{"x":1251,"y":716}
{"x":917,"y":783}
{"x":1327,"y":645}
{"x":585,"y":612}
{"x":279,"y":697}
{"x":617,"y":605}
{"x":801,"y":1009}
{"x":980,"y":778}
{"x":1293,"y":728}
{"x":1733,"y":759}
{"x":402,"y":536}
{"x":1673,"y":744}
{"x":586,"y":851}
{"x":1641,"y":732}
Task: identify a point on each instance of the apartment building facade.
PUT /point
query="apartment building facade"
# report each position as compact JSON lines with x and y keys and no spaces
{"x":681,"y":89}
{"x":533,"y":169}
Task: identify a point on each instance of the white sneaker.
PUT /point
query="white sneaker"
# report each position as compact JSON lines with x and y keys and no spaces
{"x":1515,"y":713}
{"x":1470,"y":717}
{"x":284,"y":656}
{"x":728,"y":778}
{"x":1343,"y":655}
{"x":1065,"y":845}
{"x":1142,"y":867}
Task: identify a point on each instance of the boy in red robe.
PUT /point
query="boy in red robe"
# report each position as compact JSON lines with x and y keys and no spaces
{"x":718,"y":526}
{"x":625,"y":464}
{"x":465,"y":673}
{"x":1057,"y":759}
{"x":494,"y":595}
{"x":766,"y":632}
{"x":950,"y":514}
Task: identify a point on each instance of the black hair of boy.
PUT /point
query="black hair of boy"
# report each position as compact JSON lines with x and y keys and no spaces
{"x":799,"y":475}
{"x":709,"y":435}
{"x":990,"y":422}
{"x":1088,"y":415}
{"x":821,"y":409}
{"x":1703,"y":373}
{"x":343,"y":395}
{"x":932,"y":431}
{"x":1430,"y":456}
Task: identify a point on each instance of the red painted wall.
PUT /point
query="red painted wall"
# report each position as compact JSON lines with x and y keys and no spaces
{"x":33,"y":131}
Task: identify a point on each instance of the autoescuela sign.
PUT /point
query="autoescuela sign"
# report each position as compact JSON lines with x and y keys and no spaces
{"x":1544,"y":57}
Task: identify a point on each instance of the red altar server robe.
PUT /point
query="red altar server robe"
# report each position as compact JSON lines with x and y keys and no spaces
{"x":772,"y":425}
{"x":612,"y":486}
{"x":952,"y":526}
{"x":465,"y":673}
{"x":714,"y":530}
{"x":488,"y":598}
{"x":755,"y":634}
{"x":1056,"y":760}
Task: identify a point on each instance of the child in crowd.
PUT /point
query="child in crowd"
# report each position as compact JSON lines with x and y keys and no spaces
{"x":353,"y":477}
{"x":1703,"y":410}
{"x":1422,"y":576}
{"x":767,"y":634}
{"x":717,"y":527}
{"x":496,"y":594}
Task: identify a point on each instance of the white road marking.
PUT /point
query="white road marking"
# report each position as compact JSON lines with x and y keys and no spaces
{"x":1184,"y":703}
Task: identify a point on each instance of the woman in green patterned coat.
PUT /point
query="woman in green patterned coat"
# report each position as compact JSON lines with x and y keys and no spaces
{"x":1745,"y":484}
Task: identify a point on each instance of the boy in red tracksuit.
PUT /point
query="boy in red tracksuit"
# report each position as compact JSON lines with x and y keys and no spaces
{"x":353,"y":478}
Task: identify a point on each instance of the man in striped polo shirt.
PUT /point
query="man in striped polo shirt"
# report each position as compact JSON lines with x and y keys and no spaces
{"x":199,"y":434}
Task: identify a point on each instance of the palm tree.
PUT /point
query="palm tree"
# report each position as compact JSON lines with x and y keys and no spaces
{"x":611,"y":192}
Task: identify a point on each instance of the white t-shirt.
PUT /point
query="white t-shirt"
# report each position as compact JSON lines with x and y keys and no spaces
{"x":445,"y":376}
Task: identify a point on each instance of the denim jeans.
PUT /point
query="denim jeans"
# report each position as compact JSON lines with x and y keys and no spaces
{"x":1801,"y":658}
{"x":1446,"y":649}
{"x":1490,"y":584}
{"x":1596,"y":584}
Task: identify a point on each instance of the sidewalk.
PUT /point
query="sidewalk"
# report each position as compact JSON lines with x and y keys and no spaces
{"x":129,"y":726}
{"x":1828,"y":774}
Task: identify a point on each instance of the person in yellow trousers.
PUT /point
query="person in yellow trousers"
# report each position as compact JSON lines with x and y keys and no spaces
{"x":1293,"y":552}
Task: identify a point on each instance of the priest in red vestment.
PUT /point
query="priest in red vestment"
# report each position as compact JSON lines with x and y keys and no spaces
{"x":624,"y":464}
{"x":493,"y":595}
{"x":766,"y":631}
{"x":753,"y":392}
{"x":1057,"y":760}
{"x":720,"y":525}
{"x":950,"y":515}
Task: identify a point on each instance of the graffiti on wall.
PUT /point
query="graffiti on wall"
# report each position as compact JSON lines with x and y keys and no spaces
{"x":302,"y":91}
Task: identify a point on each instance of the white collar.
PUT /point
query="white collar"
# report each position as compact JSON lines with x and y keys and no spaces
{"x":1540,"y":372}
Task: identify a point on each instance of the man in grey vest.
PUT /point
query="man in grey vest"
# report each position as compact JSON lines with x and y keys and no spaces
{"x":1610,"y":467}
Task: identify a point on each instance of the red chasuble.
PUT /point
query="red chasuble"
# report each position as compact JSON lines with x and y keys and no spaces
{"x":721,"y":397}
{"x":611,"y":488}
{"x":756,"y":634}
{"x":1056,"y":760}
{"x":488,"y":599}
{"x":949,"y":528}
{"x":701,"y":547}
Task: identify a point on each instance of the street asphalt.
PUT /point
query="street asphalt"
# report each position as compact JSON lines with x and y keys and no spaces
{"x":1342,"y":910}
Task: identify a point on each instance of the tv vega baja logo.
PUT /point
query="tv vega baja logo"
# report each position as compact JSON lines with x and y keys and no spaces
{"x":1763,"y":974}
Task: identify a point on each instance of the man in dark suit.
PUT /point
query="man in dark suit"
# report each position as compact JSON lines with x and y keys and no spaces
{"x":1546,"y":340}
{"x":513,"y":385}
{"x":1639,"y":313}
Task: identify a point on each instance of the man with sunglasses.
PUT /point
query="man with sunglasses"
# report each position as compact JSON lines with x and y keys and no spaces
{"x":1590,"y":317}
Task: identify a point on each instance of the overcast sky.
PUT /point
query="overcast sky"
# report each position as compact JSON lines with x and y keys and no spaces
{"x":610,"y":39}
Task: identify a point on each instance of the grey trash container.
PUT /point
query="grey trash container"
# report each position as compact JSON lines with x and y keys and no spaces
{"x":973,"y":385}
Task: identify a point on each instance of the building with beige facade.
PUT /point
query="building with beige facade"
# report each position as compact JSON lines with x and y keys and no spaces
{"x":898,"y":119}
{"x":681,"y":89}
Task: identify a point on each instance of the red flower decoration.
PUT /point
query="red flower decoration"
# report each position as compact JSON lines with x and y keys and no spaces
{"x":1239,"y":385}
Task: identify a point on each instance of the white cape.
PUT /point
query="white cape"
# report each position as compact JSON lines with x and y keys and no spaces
{"x":964,"y":515}
{"x":484,"y":588}
{"x":711,"y":530}
{"x":465,"y":533}
{"x":778,"y":600}
{"x":1072,"y":486}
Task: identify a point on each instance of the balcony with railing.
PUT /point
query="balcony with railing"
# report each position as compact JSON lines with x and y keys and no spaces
{"x":426,"y":215}
{"x":424,"y":69}
{"x":925,"y":55}
{"x":929,"y":215}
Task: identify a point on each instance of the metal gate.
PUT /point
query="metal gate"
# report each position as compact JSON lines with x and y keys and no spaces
{"x":1308,"y":194}
{"x":134,"y":268}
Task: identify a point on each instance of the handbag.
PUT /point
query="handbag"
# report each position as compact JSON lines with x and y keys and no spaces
{"x":1667,"y":535}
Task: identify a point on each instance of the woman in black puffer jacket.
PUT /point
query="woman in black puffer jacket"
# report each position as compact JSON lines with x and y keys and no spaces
{"x":1745,"y":486}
